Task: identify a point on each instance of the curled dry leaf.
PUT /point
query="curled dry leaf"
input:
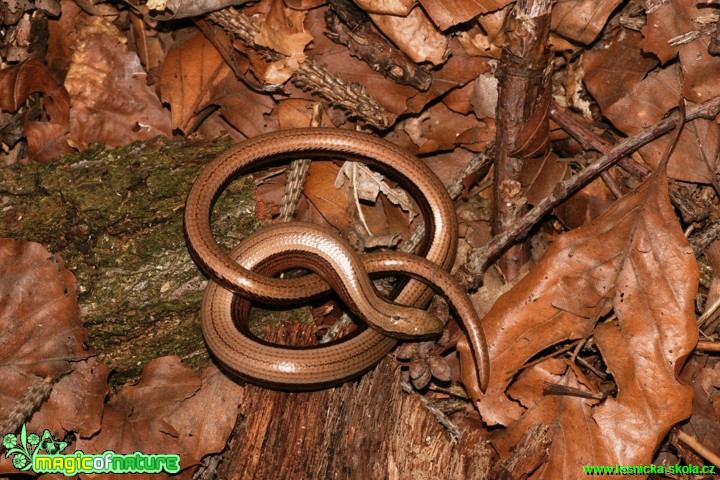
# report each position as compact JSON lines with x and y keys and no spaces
{"x":152,"y":416}
{"x":41,"y":331}
{"x":46,"y":139}
{"x":635,"y":261}
{"x":110,"y":99}
{"x":188,"y":72}
{"x":19,"y":81}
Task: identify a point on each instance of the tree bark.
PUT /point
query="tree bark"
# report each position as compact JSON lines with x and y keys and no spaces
{"x":367,"y":429}
{"x":522,"y":121}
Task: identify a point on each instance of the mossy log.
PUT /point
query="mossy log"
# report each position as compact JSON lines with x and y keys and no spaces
{"x":115,"y":217}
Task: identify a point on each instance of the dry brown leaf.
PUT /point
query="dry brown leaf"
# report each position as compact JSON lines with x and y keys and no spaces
{"x":244,"y":109}
{"x":615,"y":66}
{"x":445,"y":14}
{"x":457,"y":71}
{"x":539,"y":179}
{"x":703,"y":375}
{"x":62,"y":35}
{"x":415,"y":35}
{"x":216,"y":403}
{"x":303,"y":4}
{"x":662,"y":25}
{"x":484,"y":96}
{"x":76,"y":402}
{"x":19,"y":81}
{"x":647,"y":103}
{"x":298,"y":113}
{"x":46,"y":139}
{"x":190,"y":69}
{"x":438,"y":128}
{"x":700,"y":70}
{"x":111,"y":102}
{"x":581,"y":20}
{"x":586,"y":205}
{"x":334,"y":205}
{"x":387,"y":7}
{"x":540,"y":176}
{"x":151,"y":415}
{"x":476,"y":42}
{"x":633,"y":260}
{"x":147,"y":44}
{"x":291,"y":42}
{"x":41,"y":331}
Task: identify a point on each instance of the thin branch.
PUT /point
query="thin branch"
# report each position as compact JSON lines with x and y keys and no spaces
{"x":472,"y":272}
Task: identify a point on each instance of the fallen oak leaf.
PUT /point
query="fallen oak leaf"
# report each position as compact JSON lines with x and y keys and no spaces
{"x":635,"y":260}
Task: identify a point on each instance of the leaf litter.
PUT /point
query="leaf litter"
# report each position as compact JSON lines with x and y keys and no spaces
{"x":607,"y":313}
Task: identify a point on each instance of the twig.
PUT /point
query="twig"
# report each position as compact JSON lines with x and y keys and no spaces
{"x":34,"y":396}
{"x":349,"y":26}
{"x":310,"y":76}
{"x":692,"y":35}
{"x":472,"y":272}
{"x":297,"y":172}
{"x":709,"y":311}
{"x":705,"y":346}
{"x":690,"y":211}
{"x":704,"y":452}
{"x":522,"y":123}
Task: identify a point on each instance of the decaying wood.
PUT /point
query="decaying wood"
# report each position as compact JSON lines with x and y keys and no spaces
{"x":350,"y":26}
{"x":366,"y":429}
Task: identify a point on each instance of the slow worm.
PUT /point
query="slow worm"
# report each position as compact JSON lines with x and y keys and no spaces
{"x":413,"y":175}
{"x":235,"y":347}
